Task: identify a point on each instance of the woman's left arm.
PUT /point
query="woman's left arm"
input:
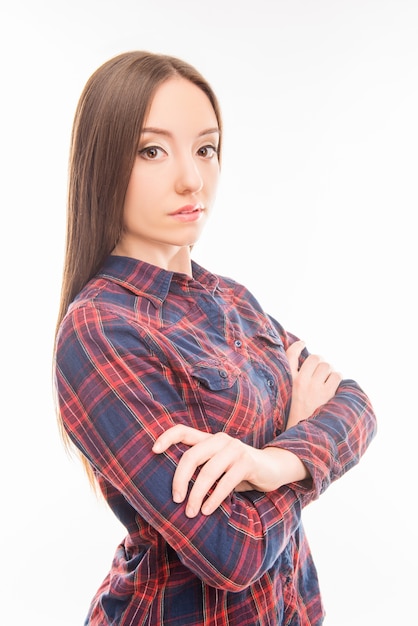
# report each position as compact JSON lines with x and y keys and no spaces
{"x":322,"y":448}
{"x":334,"y":438}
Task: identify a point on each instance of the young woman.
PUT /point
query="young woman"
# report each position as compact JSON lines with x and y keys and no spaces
{"x":207,"y":426}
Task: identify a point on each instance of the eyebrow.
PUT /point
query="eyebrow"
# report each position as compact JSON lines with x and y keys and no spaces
{"x":167,"y":133}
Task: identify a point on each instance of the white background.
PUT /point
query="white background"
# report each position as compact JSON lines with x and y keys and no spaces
{"x":315,"y":213}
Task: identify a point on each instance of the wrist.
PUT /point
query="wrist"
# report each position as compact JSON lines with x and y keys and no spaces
{"x":290,"y":467}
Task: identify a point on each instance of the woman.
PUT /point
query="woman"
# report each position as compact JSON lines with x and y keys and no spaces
{"x":207,"y":426}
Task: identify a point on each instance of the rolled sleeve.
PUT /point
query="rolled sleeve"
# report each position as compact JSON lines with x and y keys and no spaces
{"x":332,"y":440}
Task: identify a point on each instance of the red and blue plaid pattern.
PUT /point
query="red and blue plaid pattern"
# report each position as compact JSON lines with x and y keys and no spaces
{"x":141,"y":349}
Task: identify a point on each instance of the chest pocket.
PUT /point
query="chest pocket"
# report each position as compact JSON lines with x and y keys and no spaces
{"x":215,"y":375}
{"x":269,"y":349}
{"x":223,"y":397}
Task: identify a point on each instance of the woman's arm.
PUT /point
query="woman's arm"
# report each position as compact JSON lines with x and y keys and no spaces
{"x":335,"y":436}
{"x":225,"y":463}
{"x":116,"y":398}
{"x":333,"y":439}
{"x":215,"y":465}
{"x":322,"y":447}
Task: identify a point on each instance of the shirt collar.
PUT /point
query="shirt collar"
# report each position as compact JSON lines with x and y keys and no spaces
{"x":153,"y":282}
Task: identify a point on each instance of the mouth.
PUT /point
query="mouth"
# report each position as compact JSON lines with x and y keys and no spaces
{"x":188,"y":209}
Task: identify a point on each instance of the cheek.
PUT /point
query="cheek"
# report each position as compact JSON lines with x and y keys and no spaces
{"x":212,"y":179}
{"x":136,"y":192}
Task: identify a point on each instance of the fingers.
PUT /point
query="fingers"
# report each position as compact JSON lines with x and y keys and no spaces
{"x":201,"y":454}
{"x":293,"y":354}
{"x":314,"y":367}
{"x":225,"y":486}
{"x":193,"y":458}
{"x":314,"y":384}
{"x":178,"y":434}
{"x":225,"y":470}
{"x":220,"y":459}
{"x":333,"y":381}
{"x":319,"y":368}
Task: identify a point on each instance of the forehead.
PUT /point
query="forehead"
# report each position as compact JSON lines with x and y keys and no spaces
{"x":180,"y":104}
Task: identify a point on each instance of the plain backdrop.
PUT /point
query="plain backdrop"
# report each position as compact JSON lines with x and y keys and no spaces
{"x":315,"y":214}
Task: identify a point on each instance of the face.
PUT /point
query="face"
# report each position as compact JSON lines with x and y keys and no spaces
{"x":174,"y":178}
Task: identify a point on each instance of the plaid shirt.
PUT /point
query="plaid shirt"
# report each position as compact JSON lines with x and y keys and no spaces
{"x":141,"y":349}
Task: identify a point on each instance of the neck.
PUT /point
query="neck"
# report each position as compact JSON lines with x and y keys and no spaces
{"x":176,"y":259}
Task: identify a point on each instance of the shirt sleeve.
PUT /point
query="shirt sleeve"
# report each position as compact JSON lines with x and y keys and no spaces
{"x":116,"y":397}
{"x":333,"y":439}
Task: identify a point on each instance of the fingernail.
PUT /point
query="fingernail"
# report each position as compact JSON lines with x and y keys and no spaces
{"x":190,"y":512}
{"x":177,"y":497}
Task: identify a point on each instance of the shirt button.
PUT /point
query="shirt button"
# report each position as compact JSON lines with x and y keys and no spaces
{"x":270,"y":382}
{"x":238,"y":343}
{"x":223,"y":374}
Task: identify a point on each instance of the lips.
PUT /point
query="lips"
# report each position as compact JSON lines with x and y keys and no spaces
{"x":188,"y":209}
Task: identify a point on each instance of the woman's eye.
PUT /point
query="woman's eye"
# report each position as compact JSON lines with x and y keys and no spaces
{"x":151,"y":152}
{"x":207,"y":152}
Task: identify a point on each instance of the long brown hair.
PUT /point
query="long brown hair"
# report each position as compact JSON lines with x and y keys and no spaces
{"x":107,"y":126}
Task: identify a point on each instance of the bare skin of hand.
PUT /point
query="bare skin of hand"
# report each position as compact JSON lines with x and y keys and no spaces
{"x":228,"y":464}
{"x":227,"y":461}
{"x":314,"y":383}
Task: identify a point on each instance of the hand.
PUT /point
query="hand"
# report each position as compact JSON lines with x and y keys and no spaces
{"x":227,"y":464}
{"x":314,"y":383}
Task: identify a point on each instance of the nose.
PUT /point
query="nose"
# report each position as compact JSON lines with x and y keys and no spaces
{"x":189,"y":178}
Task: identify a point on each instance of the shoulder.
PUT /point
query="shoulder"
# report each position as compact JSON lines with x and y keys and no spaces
{"x":235,"y":287}
{"x":102,"y":313}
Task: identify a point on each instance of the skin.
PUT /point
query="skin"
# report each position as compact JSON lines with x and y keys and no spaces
{"x":177,"y":168}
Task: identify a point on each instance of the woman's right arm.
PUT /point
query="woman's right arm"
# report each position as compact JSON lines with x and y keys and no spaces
{"x":225,"y":463}
{"x":115,"y":401}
